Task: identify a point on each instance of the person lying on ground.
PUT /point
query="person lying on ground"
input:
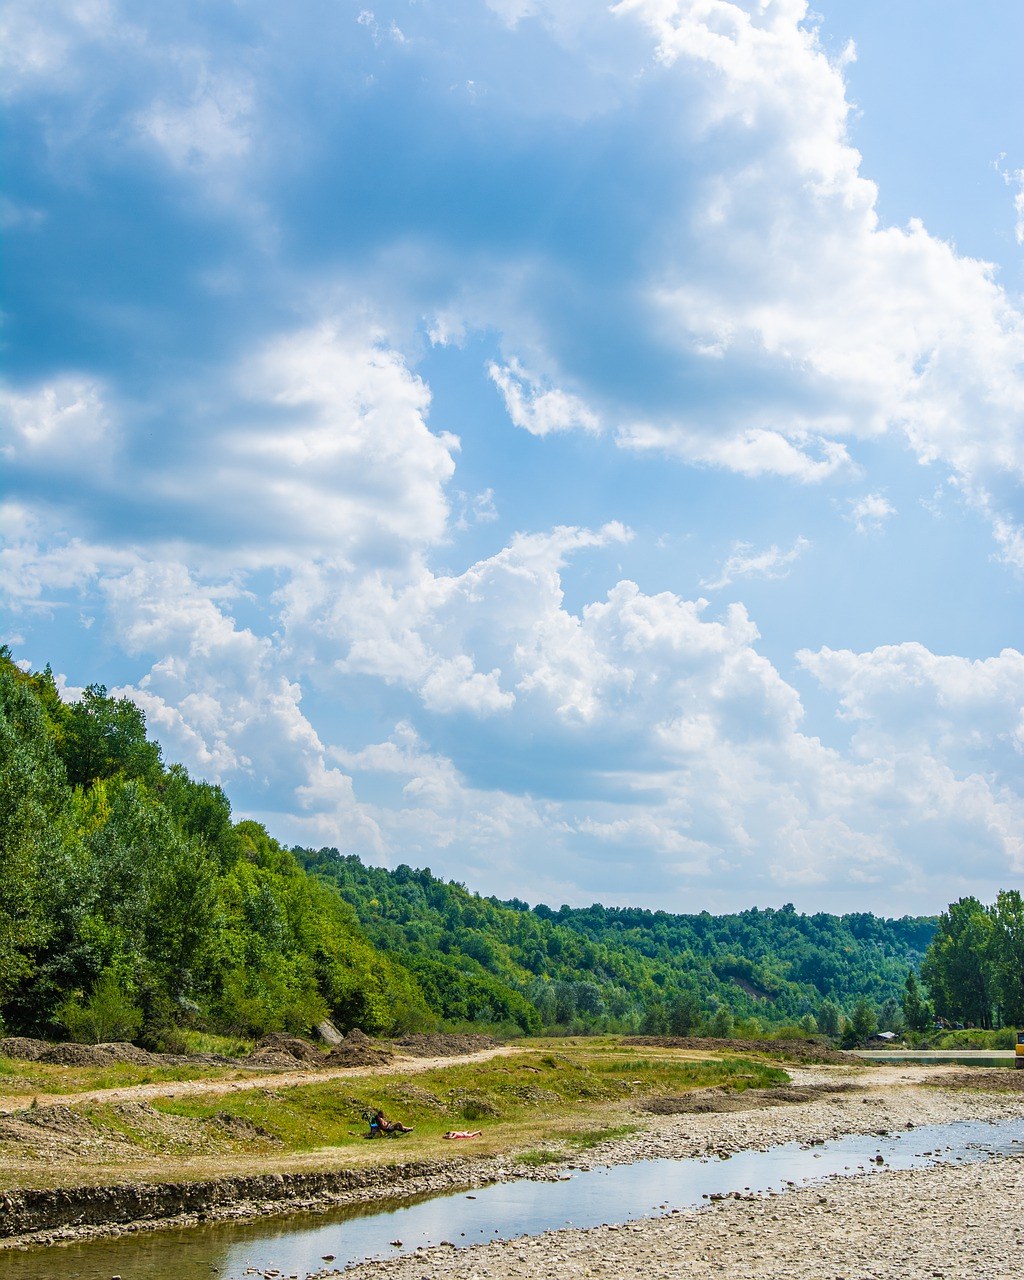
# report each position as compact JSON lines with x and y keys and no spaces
{"x":463,"y":1133}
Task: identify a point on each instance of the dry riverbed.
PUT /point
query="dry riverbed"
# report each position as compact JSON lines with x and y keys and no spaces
{"x":957,"y":1221}
{"x":953,"y":1221}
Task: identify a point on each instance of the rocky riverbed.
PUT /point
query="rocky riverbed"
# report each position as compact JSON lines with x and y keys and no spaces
{"x":957,"y":1221}
{"x":950,"y":1221}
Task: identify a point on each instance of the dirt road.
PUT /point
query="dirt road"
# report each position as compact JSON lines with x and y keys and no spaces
{"x":252,"y":1080}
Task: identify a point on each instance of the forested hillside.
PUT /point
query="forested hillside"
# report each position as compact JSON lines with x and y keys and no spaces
{"x":132,"y":903}
{"x":614,"y":968}
{"x":128,"y":895}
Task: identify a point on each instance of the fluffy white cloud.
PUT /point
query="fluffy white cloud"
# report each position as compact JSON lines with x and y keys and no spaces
{"x":220,"y":698}
{"x":967,"y":710}
{"x":337,"y":448}
{"x":60,"y":426}
{"x":209,"y":131}
{"x":321,"y":446}
{"x":904,"y":332}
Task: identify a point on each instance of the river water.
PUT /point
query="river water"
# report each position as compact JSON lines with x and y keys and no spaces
{"x":301,"y":1245}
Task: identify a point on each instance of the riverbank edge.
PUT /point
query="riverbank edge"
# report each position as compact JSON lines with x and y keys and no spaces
{"x":31,"y":1217}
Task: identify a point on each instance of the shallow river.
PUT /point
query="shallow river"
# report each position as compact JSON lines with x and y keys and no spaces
{"x":303,"y":1244}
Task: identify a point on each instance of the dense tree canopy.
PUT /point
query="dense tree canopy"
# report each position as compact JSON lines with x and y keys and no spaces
{"x":121,"y":879}
{"x":975,"y":964}
{"x":129,"y":897}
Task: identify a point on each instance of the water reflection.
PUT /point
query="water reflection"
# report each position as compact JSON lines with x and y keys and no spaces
{"x":302,"y":1245}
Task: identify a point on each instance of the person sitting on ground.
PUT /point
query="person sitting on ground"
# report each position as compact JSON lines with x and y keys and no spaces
{"x":382,"y":1124}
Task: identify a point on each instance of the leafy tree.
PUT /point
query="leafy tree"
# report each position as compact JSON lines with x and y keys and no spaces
{"x":722,"y":1024}
{"x":32,"y":796}
{"x":1007,"y":951}
{"x":917,"y":1012}
{"x":957,"y":966}
{"x":103,"y":737}
{"x":830,"y":1020}
{"x":685,"y":1014}
{"x":109,"y":1013}
{"x":863,"y":1023}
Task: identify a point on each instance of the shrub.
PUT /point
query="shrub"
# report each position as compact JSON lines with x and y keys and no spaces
{"x":107,"y":1014}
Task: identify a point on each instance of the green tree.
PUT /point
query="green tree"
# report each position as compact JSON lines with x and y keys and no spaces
{"x":33,"y":827}
{"x":722,"y":1024}
{"x":917,"y":1012}
{"x":862,"y":1024}
{"x":829,"y":1019}
{"x":958,"y":964}
{"x":108,"y":1013}
{"x":104,"y":737}
{"x":1007,"y":950}
{"x":685,"y":1014}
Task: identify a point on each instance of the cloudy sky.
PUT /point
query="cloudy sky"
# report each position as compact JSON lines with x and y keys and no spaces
{"x":578,"y":448}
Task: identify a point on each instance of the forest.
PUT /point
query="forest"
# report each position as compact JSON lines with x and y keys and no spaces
{"x":133,"y":906}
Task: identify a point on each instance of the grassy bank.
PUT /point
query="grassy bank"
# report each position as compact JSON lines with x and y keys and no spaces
{"x":529,"y":1100}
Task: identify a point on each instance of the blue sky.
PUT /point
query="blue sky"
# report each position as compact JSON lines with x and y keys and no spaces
{"x":576,"y":448}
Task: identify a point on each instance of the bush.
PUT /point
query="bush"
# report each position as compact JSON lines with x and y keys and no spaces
{"x":108,"y":1013}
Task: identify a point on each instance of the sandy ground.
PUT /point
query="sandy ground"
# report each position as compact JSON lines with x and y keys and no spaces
{"x":952,"y":1221}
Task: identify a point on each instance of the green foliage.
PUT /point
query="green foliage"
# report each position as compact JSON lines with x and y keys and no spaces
{"x":862,"y":1024}
{"x":104,"y":738}
{"x":113,"y":863}
{"x":975,"y":964}
{"x":829,"y":1019}
{"x":618,"y":969}
{"x":32,"y":797}
{"x":107,"y":1014}
{"x":917,"y":1012}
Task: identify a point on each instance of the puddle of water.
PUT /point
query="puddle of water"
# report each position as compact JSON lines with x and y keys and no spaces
{"x":301,"y":1245}
{"x":941,"y":1057}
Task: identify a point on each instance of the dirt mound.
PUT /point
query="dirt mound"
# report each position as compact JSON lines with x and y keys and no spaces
{"x":58,"y":1122}
{"x":120,"y":1051}
{"x":76,"y":1055}
{"x":706,"y":1101}
{"x":793,"y":1050}
{"x":300,"y":1050}
{"x":421,"y":1045}
{"x":1000,"y":1079}
{"x":23,"y":1047}
{"x":358,"y":1050}
{"x":240,"y":1127}
{"x":272,"y":1060}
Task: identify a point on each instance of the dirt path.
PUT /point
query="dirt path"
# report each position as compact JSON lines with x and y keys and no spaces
{"x":257,"y":1080}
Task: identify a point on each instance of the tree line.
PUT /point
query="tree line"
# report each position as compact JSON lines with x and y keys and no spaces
{"x":132,"y":901}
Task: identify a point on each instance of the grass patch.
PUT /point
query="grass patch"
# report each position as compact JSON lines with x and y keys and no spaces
{"x":520,"y":1094}
{"x":19,"y":1078}
{"x":225,"y":1046}
{"x":534,"y":1159}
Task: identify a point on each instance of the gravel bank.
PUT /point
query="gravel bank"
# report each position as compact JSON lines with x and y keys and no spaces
{"x":961,"y":1222}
